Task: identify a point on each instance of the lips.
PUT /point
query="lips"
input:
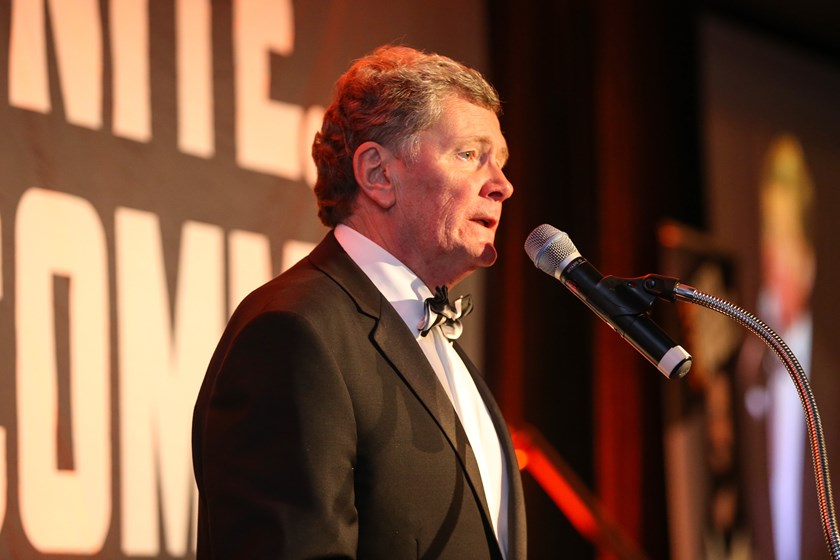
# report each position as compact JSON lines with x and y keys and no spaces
{"x":486,"y":221}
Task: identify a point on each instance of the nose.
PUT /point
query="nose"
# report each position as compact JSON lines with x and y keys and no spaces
{"x":498,"y":187}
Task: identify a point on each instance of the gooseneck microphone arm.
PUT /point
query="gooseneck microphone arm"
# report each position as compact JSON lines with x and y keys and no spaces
{"x":671,"y":289}
{"x":622,"y":303}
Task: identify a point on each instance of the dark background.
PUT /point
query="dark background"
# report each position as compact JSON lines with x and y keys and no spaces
{"x":604,"y":115}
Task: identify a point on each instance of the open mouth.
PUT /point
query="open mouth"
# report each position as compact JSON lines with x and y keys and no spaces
{"x":486,"y":222}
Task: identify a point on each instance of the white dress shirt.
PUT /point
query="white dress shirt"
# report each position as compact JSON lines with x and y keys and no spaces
{"x":407,"y":294}
{"x":787,"y":450}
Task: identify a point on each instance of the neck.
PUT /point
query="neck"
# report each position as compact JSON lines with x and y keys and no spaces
{"x":429,"y":271}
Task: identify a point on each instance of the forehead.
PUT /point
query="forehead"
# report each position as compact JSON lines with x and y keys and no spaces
{"x":461,"y":121}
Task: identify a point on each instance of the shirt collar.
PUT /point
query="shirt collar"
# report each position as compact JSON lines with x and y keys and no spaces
{"x":397,"y":283}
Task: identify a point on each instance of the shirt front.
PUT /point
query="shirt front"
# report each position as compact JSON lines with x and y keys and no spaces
{"x":407,"y":294}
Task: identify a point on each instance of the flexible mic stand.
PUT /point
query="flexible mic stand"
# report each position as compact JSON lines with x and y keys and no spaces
{"x":671,"y":289}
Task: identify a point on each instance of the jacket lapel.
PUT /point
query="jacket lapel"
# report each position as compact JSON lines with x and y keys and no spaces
{"x":517,"y":530}
{"x":398,"y":346}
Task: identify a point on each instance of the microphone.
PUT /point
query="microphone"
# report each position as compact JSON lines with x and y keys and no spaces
{"x":623,"y":303}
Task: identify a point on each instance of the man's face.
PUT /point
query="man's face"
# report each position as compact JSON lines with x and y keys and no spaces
{"x":788,"y":258}
{"x":449,"y":199}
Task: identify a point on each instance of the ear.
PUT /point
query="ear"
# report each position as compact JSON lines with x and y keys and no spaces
{"x":371,"y":168}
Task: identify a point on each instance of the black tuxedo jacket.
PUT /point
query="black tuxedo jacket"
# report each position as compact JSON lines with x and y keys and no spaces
{"x":321,"y":430}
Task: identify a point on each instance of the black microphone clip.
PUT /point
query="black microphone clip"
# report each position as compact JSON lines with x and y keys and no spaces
{"x":623,"y":303}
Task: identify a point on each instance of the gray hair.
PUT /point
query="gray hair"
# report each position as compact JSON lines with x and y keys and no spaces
{"x":388,"y":97}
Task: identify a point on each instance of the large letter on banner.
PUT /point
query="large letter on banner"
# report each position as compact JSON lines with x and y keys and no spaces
{"x":65,"y":510}
{"x":77,"y":31}
{"x":162,"y":360}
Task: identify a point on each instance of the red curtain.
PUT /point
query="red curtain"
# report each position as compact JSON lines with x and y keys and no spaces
{"x":601,"y":117}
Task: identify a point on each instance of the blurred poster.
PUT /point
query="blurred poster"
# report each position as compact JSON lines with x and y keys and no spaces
{"x":772,"y":148}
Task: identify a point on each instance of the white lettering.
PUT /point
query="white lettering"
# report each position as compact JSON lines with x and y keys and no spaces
{"x":130,"y":50}
{"x":311,"y":125}
{"x":161,"y":365}
{"x":266,"y":131}
{"x":195,"y":77}
{"x":249,"y":266}
{"x":271,"y":136}
{"x":62,"y":510}
{"x":78,"y":44}
{"x":293,"y":251}
{"x":28,"y":87}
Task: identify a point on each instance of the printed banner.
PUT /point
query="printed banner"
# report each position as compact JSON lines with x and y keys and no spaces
{"x":156,"y":167}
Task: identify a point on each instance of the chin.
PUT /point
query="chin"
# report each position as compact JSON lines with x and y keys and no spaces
{"x":488,"y":256}
{"x":471,"y":259}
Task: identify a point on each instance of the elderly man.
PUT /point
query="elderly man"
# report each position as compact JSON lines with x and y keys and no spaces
{"x":338,"y":417}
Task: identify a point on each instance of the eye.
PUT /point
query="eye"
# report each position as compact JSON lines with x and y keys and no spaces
{"x":468,"y":155}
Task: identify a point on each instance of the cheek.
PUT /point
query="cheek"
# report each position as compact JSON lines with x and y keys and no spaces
{"x":441,"y":203}
{"x":445,"y":212}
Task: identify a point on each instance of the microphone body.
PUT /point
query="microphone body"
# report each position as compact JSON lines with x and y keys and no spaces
{"x":622,"y":303}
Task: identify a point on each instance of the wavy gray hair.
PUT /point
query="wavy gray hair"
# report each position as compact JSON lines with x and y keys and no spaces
{"x":388,"y":97}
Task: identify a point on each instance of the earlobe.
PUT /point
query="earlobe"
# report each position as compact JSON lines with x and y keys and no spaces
{"x":370,"y":167}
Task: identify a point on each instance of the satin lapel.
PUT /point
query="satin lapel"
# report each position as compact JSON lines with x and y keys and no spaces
{"x":517,"y":530}
{"x":398,"y":346}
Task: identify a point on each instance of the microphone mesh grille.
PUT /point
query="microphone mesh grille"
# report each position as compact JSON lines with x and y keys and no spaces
{"x":548,"y":247}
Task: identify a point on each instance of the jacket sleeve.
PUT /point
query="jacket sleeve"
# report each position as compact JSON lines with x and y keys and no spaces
{"x":276,"y":447}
